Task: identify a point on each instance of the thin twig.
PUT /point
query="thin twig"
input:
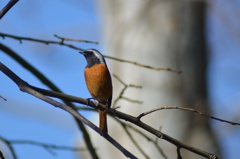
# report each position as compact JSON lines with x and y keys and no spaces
{"x":136,"y":121}
{"x":74,"y":40}
{"x":10,"y":147}
{"x":187,"y":109}
{"x":120,"y":96}
{"x":131,"y":100}
{"x":148,"y":138}
{"x":179,"y":156}
{"x":47,"y":146}
{"x":134,"y":141}
{"x":123,"y":83}
{"x":158,"y":147}
{"x":142,"y":65}
{"x":52,"y":86}
{"x":155,"y":142}
{"x":3,"y":98}
{"x":10,"y":4}
{"x":25,"y":87}
{"x":47,"y":42}
{"x":29,"y":67}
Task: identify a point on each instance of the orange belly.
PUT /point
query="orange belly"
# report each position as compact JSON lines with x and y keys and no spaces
{"x":99,"y":82}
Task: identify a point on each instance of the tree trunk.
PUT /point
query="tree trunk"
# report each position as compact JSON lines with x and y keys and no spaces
{"x":161,"y":34}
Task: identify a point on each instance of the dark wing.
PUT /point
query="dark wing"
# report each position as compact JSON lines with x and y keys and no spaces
{"x":109,"y":102}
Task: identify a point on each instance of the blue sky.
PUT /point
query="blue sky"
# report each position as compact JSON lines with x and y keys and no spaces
{"x":25,"y":117}
{"x":224,"y":72}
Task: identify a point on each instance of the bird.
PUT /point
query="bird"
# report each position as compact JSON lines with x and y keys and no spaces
{"x":99,"y":82}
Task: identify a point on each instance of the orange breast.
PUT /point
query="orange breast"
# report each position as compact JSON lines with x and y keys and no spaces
{"x":98,"y":82}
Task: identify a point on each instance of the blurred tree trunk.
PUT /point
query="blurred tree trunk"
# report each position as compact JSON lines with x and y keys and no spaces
{"x":161,"y":34}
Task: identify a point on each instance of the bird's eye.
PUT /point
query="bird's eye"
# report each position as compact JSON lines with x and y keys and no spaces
{"x":89,"y":52}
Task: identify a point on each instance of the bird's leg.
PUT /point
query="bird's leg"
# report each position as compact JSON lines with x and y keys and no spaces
{"x":109,"y":109}
{"x":88,"y":100}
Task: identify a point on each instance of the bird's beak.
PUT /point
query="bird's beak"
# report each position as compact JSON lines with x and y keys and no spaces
{"x":82,"y":52}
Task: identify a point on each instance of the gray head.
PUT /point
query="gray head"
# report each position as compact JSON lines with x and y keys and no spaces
{"x":93,"y":57}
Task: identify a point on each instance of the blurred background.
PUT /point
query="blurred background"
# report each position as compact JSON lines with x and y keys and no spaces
{"x":200,"y":38}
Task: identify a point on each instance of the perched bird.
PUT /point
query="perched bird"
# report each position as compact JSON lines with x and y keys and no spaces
{"x":99,"y":82}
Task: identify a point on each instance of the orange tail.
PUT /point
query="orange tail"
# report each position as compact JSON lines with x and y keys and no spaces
{"x":103,"y":121}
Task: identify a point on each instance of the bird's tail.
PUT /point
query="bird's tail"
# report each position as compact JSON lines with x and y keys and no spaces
{"x":103,"y":121}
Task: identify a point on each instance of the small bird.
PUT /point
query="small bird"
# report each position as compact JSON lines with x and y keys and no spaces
{"x":99,"y":82}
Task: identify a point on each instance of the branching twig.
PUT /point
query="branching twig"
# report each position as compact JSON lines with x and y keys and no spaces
{"x":190,"y":110}
{"x":3,"y":98}
{"x":123,"y":83}
{"x":159,"y":149}
{"x":10,"y":4}
{"x":179,"y":156}
{"x":47,"y":42}
{"x":155,"y":142}
{"x":52,"y":86}
{"x":132,"y":101}
{"x":25,"y":87}
{"x":74,"y":40}
{"x":137,"y":122}
{"x":46,"y":146}
{"x":120,"y":96}
{"x":134,"y":120}
{"x":125,"y":125}
{"x":134,"y":141}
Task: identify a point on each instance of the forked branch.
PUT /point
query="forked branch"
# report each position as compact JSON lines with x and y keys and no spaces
{"x":10,"y":4}
{"x":25,"y":87}
{"x":63,"y":43}
{"x":42,"y":94}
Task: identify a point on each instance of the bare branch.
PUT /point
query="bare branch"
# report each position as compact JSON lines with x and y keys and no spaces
{"x":134,"y":120}
{"x":132,"y":101}
{"x":134,"y":141}
{"x":179,"y":156}
{"x":61,"y":42}
{"x":52,"y":86}
{"x":74,"y":40}
{"x":9,"y":146}
{"x":120,"y":96}
{"x":137,"y":122}
{"x":123,"y":83}
{"x":46,"y":146}
{"x":10,"y":4}
{"x":25,"y":87}
{"x":47,"y":42}
{"x":3,"y":98}
{"x":142,"y":65}
{"x":1,"y":155}
{"x":29,"y":67}
{"x":125,"y":126}
{"x":149,"y":139}
{"x":187,"y":109}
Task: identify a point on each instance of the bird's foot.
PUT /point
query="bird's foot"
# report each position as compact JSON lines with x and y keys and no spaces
{"x":89,"y":100}
{"x":112,"y":110}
